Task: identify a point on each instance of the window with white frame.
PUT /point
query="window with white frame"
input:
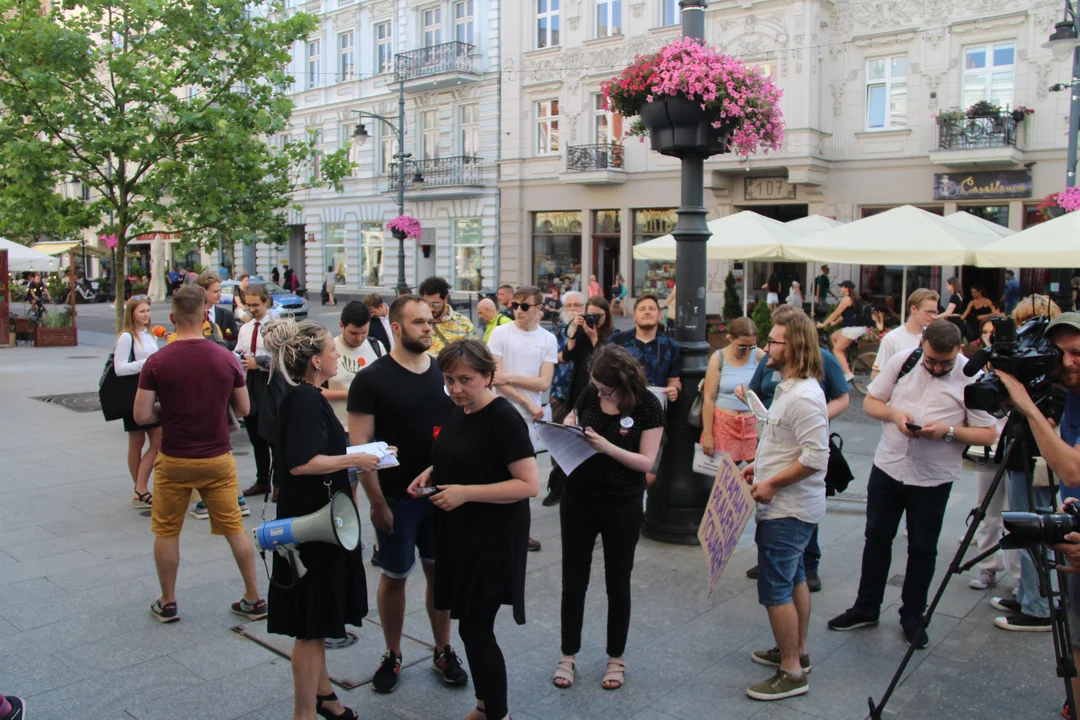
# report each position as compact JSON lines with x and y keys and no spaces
{"x":346,"y":56}
{"x":468,"y":254}
{"x":547,"y":127}
{"x":463,"y":21}
{"x":432,"y":18}
{"x":371,"y":253}
{"x":608,"y":18}
{"x":469,"y":122}
{"x":607,"y":126}
{"x":384,"y":48}
{"x":547,"y":23}
{"x":669,"y":12}
{"x":387,"y":149}
{"x":334,"y":250}
{"x":990,"y":74}
{"x":767,"y":68}
{"x":886,"y":92}
{"x":314,"y":63}
{"x":429,"y":134}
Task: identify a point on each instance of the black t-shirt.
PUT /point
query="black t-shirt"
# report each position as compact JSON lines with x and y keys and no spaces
{"x":579,"y":355}
{"x":482,"y":546}
{"x":37,"y":289}
{"x":410,"y":410}
{"x":602,"y":476}
{"x":957,"y":302}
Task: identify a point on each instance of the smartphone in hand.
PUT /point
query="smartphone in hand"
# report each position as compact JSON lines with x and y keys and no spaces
{"x":426,"y":491}
{"x":913,"y":427}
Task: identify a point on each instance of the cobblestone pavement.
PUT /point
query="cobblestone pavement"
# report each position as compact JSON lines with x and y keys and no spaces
{"x":77,"y":577}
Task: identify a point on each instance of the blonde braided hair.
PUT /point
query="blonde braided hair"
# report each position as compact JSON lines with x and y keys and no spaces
{"x":293,"y":345}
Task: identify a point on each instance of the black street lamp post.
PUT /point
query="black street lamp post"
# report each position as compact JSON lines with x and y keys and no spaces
{"x":361,"y":136}
{"x":676,"y":500}
{"x":1065,"y":42}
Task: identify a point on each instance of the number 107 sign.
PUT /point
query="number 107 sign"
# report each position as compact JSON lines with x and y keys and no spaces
{"x":767,"y":188}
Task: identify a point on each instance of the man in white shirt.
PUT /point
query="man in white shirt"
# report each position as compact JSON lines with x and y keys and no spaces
{"x":919,"y":397}
{"x":357,"y":350}
{"x":525,"y":355}
{"x":789,"y":486}
{"x":922,"y":308}
{"x":255,"y":360}
{"x":380,"y":320}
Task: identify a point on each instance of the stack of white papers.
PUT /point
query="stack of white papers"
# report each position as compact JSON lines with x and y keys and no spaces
{"x":566,"y":444}
{"x":387,"y":458}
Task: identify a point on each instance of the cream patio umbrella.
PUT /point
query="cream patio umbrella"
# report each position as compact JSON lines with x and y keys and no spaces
{"x":809,"y":225}
{"x":974,"y":223}
{"x":1051,"y":244}
{"x":23,"y":259}
{"x":741,"y":236}
{"x":903,"y":236}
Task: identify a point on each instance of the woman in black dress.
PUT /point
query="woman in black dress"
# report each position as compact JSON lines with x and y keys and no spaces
{"x":310,"y":450}
{"x":603,"y":496}
{"x":485,"y":470}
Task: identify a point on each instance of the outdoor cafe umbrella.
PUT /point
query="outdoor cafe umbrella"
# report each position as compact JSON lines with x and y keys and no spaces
{"x":904,"y":235}
{"x":23,"y":259}
{"x":809,"y":225}
{"x":1051,"y":244}
{"x":743,"y":235}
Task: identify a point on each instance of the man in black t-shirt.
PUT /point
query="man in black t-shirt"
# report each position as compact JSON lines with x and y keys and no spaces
{"x":37,"y":292}
{"x":401,"y":400}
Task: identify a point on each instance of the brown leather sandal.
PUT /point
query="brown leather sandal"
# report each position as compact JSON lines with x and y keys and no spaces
{"x":615,"y":675}
{"x":564,"y":673}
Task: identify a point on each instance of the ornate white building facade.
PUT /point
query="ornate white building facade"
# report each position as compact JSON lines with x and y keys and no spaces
{"x":863,"y":82}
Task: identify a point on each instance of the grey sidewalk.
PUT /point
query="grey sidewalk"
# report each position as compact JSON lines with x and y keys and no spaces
{"x":77,"y":577}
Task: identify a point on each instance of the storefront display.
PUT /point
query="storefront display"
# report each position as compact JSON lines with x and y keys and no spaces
{"x":653,"y":276}
{"x":557,"y":249}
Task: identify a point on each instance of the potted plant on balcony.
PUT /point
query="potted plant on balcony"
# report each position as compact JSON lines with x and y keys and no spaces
{"x":983,"y":108}
{"x":950,"y":117}
{"x":1020,"y":112}
{"x":691,"y":99}
{"x":405,"y":226}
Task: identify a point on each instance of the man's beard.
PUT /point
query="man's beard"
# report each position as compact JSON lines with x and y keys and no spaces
{"x":567,"y":316}
{"x":1069,"y":379}
{"x":416,"y":345}
{"x":647,"y":326}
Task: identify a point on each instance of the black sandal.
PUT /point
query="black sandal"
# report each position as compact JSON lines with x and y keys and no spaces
{"x":142,"y":500}
{"x":349,"y":713}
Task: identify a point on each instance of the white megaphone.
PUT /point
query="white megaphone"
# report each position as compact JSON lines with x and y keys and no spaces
{"x":338,"y":524}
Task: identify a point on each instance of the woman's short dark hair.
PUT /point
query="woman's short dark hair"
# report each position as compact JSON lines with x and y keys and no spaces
{"x":473,"y":353}
{"x":602,"y":331}
{"x":614,"y":367}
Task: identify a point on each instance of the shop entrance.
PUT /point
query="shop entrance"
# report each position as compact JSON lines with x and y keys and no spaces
{"x":786,"y":272}
{"x":605,"y":262}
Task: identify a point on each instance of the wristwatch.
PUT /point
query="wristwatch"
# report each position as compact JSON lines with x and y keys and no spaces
{"x":949,"y":436}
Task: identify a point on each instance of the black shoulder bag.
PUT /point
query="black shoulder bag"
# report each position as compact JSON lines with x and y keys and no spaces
{"x":117,"y":394}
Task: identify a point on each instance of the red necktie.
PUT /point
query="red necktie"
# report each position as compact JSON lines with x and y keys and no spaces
{"x":254,"y":337}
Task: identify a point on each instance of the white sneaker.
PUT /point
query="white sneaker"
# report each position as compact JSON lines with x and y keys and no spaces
{"x":985,"y":579}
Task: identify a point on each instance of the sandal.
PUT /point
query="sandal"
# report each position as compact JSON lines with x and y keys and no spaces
{"x":142,"y":500}
{"x":615,"y":675}
{"x":564,"y":672}
{"x":349,"y":713}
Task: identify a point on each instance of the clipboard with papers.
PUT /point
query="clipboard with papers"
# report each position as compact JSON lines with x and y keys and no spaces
{"x":387,"y":457}
{"x":566,"y":443}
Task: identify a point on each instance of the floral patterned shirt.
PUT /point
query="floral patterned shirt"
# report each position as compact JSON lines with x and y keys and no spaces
{"x":453,"y":327}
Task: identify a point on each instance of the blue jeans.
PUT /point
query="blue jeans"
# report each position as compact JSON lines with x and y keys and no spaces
{"x":812,"y":556}
{"x":781,"y":544}
{"x":1027,"y":593}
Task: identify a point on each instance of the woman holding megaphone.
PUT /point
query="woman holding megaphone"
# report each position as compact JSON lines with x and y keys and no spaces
{"x":311,"y":453}
{"x":482,"y":475}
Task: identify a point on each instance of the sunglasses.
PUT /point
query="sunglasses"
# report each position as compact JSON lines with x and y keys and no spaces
{"x":943,"y":364}
{"x":140,"y":297}
{"x":523,"y":307}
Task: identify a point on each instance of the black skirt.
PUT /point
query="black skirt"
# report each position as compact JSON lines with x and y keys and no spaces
{"x":131,"y":426}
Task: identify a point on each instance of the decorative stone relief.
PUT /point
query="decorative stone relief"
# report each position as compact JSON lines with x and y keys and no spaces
{"x":838,"y":100}
{"x":934,"y":37}
{"x":1042,"y":72}
{"x":933,"y":82}
{"x":573,"y":127}
{"x":638,"y":8}
{"x":954,"y":63}
{"x":914,"y":68}
{"x":852,"y":74}
{"x":835,"y":51}
{"x":383,"y":8}
{"x":572,"y":24}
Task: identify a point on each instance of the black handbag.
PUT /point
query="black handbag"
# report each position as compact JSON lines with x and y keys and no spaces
{"x":117,"y":394}
{"x":838,"y":475}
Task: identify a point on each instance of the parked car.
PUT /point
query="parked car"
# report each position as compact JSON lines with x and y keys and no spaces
{"x":283,"y":302}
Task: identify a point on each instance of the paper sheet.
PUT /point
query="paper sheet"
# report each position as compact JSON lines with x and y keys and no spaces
{"x":661,"y":395}
{"x":538,"y":444}
{"x":566,"y":444}
{"x":705,"y":464}
{"x":380,"y":450}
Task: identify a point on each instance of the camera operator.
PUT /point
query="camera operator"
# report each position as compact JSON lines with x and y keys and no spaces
{"x":1062,"y":454}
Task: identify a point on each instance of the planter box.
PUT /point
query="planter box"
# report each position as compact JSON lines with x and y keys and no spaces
{"x":55,"y":337}
{"x":718,"y":341}
{"x":680,"y":128}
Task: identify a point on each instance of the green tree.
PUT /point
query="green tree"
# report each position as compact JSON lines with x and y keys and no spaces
{"x":732,"y":301}
{"x":762,"y":317}
{"x":167,"y":111}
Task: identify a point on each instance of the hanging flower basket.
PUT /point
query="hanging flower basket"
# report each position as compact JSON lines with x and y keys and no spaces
{"x":1057,"y":204}
{"x":405,"y":226}
{"x":692,"y":100}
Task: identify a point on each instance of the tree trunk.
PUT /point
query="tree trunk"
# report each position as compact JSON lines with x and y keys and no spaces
{"x":118,"y":282}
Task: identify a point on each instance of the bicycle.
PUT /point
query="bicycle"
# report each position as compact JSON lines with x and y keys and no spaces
{"x":860,"y":358}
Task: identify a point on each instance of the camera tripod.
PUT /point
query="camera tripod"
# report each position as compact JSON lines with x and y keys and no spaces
{"x":1017,"y":427}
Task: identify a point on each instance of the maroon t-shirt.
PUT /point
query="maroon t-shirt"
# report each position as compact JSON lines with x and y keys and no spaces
{"x":194,"y":380}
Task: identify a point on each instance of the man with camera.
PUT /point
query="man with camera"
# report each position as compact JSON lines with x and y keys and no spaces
{"x":1062,"y":454}
{"x":919,"y":397}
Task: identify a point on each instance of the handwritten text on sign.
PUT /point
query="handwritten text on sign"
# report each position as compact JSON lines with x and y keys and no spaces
{"x":726,"y":514}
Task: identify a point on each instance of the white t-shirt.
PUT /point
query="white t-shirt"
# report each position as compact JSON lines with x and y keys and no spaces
{"x":524,"y":353}
{"x":895,"y":341}
{"x":351,"y":361}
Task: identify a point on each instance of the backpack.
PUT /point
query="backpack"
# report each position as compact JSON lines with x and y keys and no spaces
{"x":376,"y":346}
{"x":864,"y":314}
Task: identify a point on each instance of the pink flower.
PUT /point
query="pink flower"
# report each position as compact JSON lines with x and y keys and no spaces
{"x":406,"y":224}
{"x":111,"y":241}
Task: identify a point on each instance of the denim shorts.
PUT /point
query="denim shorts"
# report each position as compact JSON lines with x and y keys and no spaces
{"x":781,"y":544}
{"x":414,"y":529}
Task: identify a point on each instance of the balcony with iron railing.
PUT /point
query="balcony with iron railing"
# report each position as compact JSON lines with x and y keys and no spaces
{"x":457,"y":175}
{"x":975,"y":140}
{"x":597,"y":164}
{"x":435,"y":67}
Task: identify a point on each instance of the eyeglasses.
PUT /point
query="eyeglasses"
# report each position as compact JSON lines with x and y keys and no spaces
{"x":770,"y":341}
{"x":523,"y":307}
{"x":604,"y":392}
{"x":943,"y":364}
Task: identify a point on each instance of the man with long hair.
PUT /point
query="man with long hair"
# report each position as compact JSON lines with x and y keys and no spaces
{"x":789,"y":486}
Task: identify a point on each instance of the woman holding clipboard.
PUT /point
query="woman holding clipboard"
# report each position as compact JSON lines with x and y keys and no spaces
{"x":603,"y":496}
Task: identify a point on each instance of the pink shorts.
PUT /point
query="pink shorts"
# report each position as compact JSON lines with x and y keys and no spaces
{"x":734,"y":435}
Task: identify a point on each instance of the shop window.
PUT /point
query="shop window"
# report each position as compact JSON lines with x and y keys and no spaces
{"x":653,"y":276}
{"x":557,"y":249}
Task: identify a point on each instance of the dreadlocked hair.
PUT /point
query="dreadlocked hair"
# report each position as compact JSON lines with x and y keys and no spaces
{"x":293,"y":344}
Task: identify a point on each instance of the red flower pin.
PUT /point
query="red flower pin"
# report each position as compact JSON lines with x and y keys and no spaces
{"x":435,"y":431}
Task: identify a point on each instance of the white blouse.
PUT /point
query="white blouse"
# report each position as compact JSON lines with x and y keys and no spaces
{"x":146,"y":347}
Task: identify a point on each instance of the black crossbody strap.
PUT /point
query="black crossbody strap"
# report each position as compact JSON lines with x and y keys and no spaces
{"x":910,"y":363}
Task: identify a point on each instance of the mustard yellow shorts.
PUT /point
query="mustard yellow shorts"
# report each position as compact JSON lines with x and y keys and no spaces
{"x":215,"y":479}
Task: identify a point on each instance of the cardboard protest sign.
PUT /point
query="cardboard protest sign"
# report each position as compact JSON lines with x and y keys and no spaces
{"x":726,"y":514}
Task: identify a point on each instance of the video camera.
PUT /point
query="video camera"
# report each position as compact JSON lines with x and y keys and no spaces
{"x":1028,"y":528}
{"x":1025,"y":354}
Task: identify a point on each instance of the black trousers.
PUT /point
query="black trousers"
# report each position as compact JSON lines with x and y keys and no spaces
{"x":887,"y":500}
{"x":618,"y":523}
{"x":256,"y":383}
{"x":477,"y":631}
